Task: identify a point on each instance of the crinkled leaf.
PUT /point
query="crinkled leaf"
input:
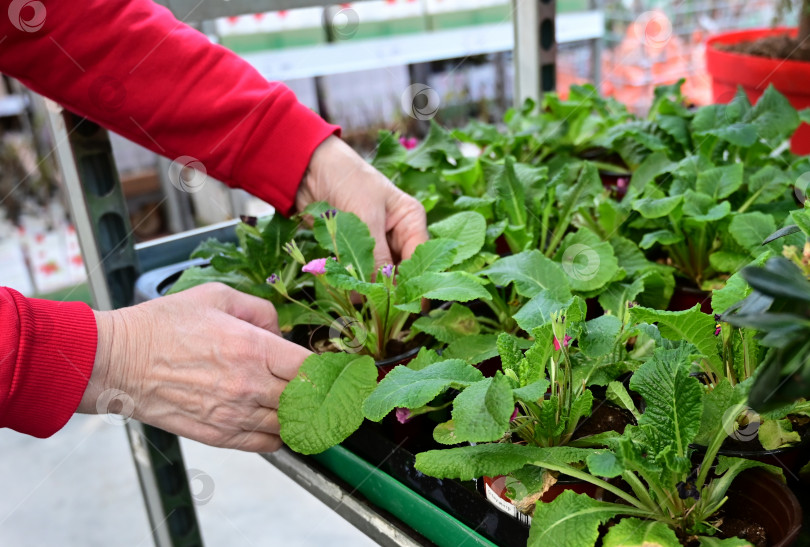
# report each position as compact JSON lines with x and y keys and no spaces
{"x":473,"y":349}
{"x":773,"y":116}
{"x":446,"y":286}
{"x":431,"y":256}
{"x":599,"y":337}
{"x":448,"y":325}
{"x":321,"y":406}
{"x":445,"y":433}
{"x":720,"y":182}
{"x":571,"y":520}
{"x":617,"y":394}
{"x":538,"y":311}
{"x":532,"y":392}
{"x":588,"y":262}
{"x":703,"y":208}
{"x":751,"y":229}
{"x":709,"y":541}
{"x":425,"y":358}
{"x":408,"y":388}
{"x":775,"y":434}
{"x":673,"y":398}
{"x":355,"y":245}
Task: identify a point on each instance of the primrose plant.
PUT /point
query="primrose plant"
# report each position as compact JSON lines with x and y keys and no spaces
{"x":663,"y":494}
{"x":386,"y":318}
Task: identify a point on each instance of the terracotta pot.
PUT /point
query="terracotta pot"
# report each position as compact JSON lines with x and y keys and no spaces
{"x":684,"y":298}
{"x":495,"y":491}
{"x":729,"y":70}
{"x":759,"y":496}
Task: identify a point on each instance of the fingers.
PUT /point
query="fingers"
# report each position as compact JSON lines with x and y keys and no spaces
{"x":252,"y":309}
{"x":407,"y":223}
{"x":382,"y":254}
{"x":283,"y":358}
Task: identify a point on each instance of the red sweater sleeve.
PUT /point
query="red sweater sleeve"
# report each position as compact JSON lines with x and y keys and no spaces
{"x":47,"y":351}
{"x":130,"y":66}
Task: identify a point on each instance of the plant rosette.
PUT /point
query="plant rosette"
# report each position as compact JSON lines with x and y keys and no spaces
{"x":662,"y":497}
{"x":377,"y":312}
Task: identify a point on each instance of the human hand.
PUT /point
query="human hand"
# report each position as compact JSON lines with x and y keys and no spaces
{"x":207,"y":363}
{"x":339,"y":176}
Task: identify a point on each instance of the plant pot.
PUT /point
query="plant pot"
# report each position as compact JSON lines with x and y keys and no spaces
{"x":730,"y":69}
{"x":494,"y":488}
{"x":789,"y":459}
{"x":386,"y":365}
{"x":759,"y":496}
{"x":685,"y":298}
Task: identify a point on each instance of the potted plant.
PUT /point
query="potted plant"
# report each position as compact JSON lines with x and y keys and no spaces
{"x":660,"y":496}
{"x":759,"y":58}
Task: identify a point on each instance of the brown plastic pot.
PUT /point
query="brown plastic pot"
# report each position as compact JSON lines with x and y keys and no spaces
{"x":759,"y":496}
{"x":731,"y":69}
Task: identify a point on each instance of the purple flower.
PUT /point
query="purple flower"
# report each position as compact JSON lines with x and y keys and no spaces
{"x":557,"y":346}
{"x":388,"y":270}
{"x":250,"y":221}
{"x":403,"y":415}
{"x":315,"y":267}
{"x":717,"y":317}
{"x":514,"y":415}
{"x":409,"y":143}
{"x":273,"y":279}
{"x":717,"y":329}
{"x":329,"y":214}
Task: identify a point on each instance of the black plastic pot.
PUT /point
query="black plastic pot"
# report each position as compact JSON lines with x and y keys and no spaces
{"x":759,"y":496}
{"x":789,"y":459}
{"x":684,"y":298}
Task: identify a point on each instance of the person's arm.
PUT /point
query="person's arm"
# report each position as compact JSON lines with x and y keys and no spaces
{"x":47,"y":351}
{"x":130,"y":66}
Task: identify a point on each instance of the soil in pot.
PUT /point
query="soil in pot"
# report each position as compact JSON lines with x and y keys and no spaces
{"x":778,"y":46}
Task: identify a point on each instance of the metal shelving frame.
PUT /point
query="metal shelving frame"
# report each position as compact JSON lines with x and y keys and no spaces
{"x":113,"y":261}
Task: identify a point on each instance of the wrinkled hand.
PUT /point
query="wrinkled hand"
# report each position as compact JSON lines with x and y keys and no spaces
{"x":208,"y":364}
{"x":339,"y":176}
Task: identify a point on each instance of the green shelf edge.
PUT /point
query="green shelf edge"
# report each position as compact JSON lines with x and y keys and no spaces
{"x":391,"y":495}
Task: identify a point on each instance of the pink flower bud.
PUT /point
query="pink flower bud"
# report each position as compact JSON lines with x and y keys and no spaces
{"x":315,"y":267}
{"x":403,"y":415}
{"x":557,"y":346}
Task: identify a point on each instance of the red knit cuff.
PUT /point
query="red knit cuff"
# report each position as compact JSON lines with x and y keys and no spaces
{"x":57,"y":350}
{"x":274,"y":173}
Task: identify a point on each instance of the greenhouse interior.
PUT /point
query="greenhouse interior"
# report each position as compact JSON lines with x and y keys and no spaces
{"x":499,"y":273}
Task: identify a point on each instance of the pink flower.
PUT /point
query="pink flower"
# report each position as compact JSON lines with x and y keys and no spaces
{"x":315,"y":267}
{"x":514,"y":415}
{"x":557,"y":342}
{"x":717,"y":329}
{"x":388,"y":270}
{"x":409,"y":143}
{"x":403,"y":415}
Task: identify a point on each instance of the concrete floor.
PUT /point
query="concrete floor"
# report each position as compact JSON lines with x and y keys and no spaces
{"x":78,"y":488}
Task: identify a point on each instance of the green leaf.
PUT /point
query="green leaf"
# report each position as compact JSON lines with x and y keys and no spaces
{"x":653,"y":166}
{"x":492,"y":459}
{"x":633,"y":532}
{"x":588,"y":262}
{"x":408,"y":388}
{"x":448,"y":325}
{"x":773,"y":116}
{"x":468,"y":228}
{"x":729,"y":468}
{"x":708,"y":541}
{"x":711,"y":120}
{"x":571,"y":520}
{"x":425,"y":358}
{"x":446,"y":286}
{"x":538,"y":311}
{"x":390,"y":153}
{"x":533,"y":392}
{"x":775,"y":434}
{"x":355,"y":245}
{"x":481,"y":412}
{"x":434,"y":150}
{"x":511,"y":195}
{"x":531,"y":272}
{"x":473,"y":349}
{"x":691,"y":325}
{"x":599,"y":337}
{"x":751,"y":229}
{"x":339,"y":277}
{"x":715,"y":404}
{"x":660,"y":237}
{"x":435,"y":255}
{"x":656,"y":208}
{"x":615,"y":297}
{"x":768,"y":184}
{"x":604,"y":464}
{"x":674,"y":400}
{"x":704,"y":208}
{"x":445,"y":433}
{"x":720,"y":182}
{"x":617,"y":394}
{"x":321,"y":406}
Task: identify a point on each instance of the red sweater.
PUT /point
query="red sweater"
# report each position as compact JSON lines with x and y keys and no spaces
{"x":130,"y":66}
